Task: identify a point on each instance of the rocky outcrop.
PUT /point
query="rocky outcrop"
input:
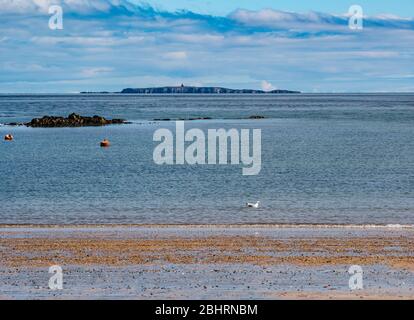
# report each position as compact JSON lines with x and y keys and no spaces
{"x":203,"y":118}
{"x":73,"y":120}
{"x":257,"y":117}
{"x":183,"y":119}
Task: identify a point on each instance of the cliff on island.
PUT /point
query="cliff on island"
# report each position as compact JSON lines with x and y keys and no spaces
{"x":191,"y":90}
{"x":200,"y":90}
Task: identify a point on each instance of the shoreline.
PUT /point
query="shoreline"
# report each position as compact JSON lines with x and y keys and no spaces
{"x":213,"y":225}
{"x":205,"y":261}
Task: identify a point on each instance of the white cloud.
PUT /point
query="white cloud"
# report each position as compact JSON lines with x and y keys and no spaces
{"x":176,"y":55}
{"x":79,"y":6}
{"x":197,"y":38}
{"x":152,"y":48}
{"x":388,"y":16}
{"x":276,"y":18}
{"x":267,"y":86}
{"x":272,"y":18}
{"x":87,"y":41}
{"x":23,"y":67}
{"x":92,"y":72}
{"x":376,"y":54}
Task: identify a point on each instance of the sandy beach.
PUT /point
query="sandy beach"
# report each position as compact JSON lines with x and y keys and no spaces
{"x":206,"y":261}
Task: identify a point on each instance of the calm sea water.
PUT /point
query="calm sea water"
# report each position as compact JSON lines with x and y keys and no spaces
{"x":346,"y":159}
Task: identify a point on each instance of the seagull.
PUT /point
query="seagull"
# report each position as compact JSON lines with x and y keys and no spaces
{"x":253,"y":205}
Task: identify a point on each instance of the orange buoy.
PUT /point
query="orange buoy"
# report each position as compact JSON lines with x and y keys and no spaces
{"x":8,"y":137}
{"x":105,"y":143}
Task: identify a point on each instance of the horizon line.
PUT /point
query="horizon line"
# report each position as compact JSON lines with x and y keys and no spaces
{"x":118,"y":92}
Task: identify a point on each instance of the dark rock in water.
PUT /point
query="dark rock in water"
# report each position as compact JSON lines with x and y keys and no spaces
{"x":182,"y":119}
{"x":257,"y":117}
{"x":200,"y":118}
{"x":73,"y":120}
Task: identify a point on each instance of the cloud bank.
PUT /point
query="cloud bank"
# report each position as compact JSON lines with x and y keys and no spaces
{"x":112,"y":44}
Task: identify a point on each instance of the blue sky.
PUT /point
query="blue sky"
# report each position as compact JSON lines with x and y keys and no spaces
{"x":298,"y":45}
{"x":404,"y":8}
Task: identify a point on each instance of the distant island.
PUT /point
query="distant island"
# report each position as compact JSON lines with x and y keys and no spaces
{"x":195,"y":90}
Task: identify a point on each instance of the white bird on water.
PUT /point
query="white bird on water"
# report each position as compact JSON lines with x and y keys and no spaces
{"x":253,"y":205}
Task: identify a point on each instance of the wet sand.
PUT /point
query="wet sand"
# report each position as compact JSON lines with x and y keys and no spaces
{"x":206,"y":261}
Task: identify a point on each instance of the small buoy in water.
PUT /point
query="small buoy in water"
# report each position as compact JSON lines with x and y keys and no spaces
{"x":105,"y":143}
{"x":8,"y":137}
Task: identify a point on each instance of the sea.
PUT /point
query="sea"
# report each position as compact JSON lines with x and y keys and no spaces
{"x":327,"y":159}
